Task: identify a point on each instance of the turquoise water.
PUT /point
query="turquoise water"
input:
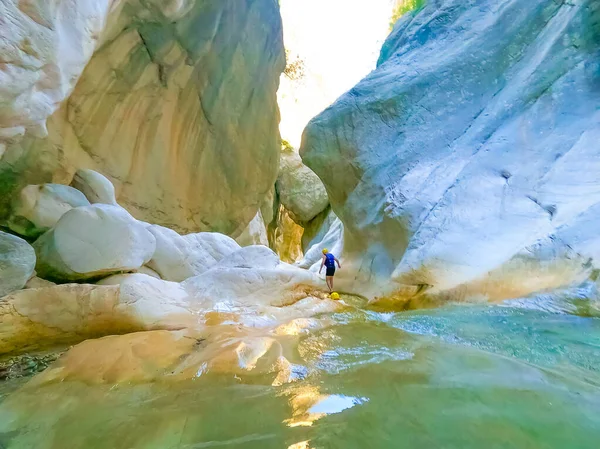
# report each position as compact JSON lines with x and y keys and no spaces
{"x":525,"y":375}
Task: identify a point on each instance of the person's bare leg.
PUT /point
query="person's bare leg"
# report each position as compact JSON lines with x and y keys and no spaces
{"x":329,"y":283}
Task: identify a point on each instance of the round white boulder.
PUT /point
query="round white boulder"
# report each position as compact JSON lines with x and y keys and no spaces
{"x":39,"y":207}
{"x":96,"y":187}
{"x":92,"y":242}
{"x":17,"y":262}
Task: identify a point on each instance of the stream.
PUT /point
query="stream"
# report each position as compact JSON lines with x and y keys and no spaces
{"x":522,"y":374}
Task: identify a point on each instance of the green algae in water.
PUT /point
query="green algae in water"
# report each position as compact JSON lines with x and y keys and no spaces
{"x":459,"y":377}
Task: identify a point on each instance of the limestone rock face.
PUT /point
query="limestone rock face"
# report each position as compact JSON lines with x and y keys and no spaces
{"x":17,"y":262}
{"x":178,"y":258}
{"x":44,"y":47}
{"x":255,"y":233}
{"x":331,"y":237}
{"x":93,"y":241}
{"x":70,"y":313}
{"x":177,"y":107}
{"x":38,"y":208}
{"x":94,"y":186}
{"x":471,"y":154}
{"x":300,"y":190}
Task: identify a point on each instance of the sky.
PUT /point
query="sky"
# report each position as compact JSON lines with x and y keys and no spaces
{"x":339,"y":41}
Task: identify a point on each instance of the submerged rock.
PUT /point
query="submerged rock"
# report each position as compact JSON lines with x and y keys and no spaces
{"x":470,"y":151}
{"x":26,"y":365}
{"x":17,"y":263}
{"x":39,"y":207}
{"x":96,"y":187}
{"x":91,"y":242}
{"x":178,"y":257}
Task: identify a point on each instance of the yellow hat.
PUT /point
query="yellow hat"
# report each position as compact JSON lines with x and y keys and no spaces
{"x":325,"y":250}
{"x":335,"y":295}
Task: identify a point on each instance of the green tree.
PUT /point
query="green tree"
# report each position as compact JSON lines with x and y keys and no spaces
{"x":295,"y":67}
{"x":401,"y":7}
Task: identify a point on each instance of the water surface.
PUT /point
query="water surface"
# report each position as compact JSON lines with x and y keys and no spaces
{"x":520,"y":375}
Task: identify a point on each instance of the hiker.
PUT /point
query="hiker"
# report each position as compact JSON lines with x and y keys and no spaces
{"x":329,"y":262}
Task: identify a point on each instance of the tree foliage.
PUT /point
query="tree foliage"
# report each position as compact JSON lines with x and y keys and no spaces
{"x":295,"y":67}
{"x":402,"y":7}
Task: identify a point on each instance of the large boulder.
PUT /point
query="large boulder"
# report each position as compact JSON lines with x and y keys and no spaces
{"x":177,"y":107}
{"x":39,"y":207}
{"x":300,"y":190}
{"x":91,"y":242}
{"x":469,"y":159}
{"x":17,"y":263}
{"x":95,"y":186}
{"x":178,"y":258}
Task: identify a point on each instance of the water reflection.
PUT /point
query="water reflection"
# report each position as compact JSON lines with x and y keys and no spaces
{"x":309,"y":405}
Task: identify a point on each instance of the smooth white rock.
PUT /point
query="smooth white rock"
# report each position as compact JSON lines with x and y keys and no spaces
{"x":44,"y":47}
{"x":333,"y":240}
{"x":93,"y":241}
{"x":178,"y":257}
{"x":255,"y":256}
{"x":96,"y":187}
{"x":17,"y":263}
{"x":39,"y":207}
{"x":255,"y":233}
{"x":225,"y":288}
{"x":148,"y":271}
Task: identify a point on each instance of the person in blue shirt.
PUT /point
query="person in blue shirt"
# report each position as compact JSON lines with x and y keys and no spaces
{"x":328,"y":261}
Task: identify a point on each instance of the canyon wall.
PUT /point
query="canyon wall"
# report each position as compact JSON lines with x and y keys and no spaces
{"x":177,"y":105}
{"x":468,"y":162}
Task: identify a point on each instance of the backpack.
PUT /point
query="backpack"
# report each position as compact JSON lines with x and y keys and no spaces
{"x":329,"y":260}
